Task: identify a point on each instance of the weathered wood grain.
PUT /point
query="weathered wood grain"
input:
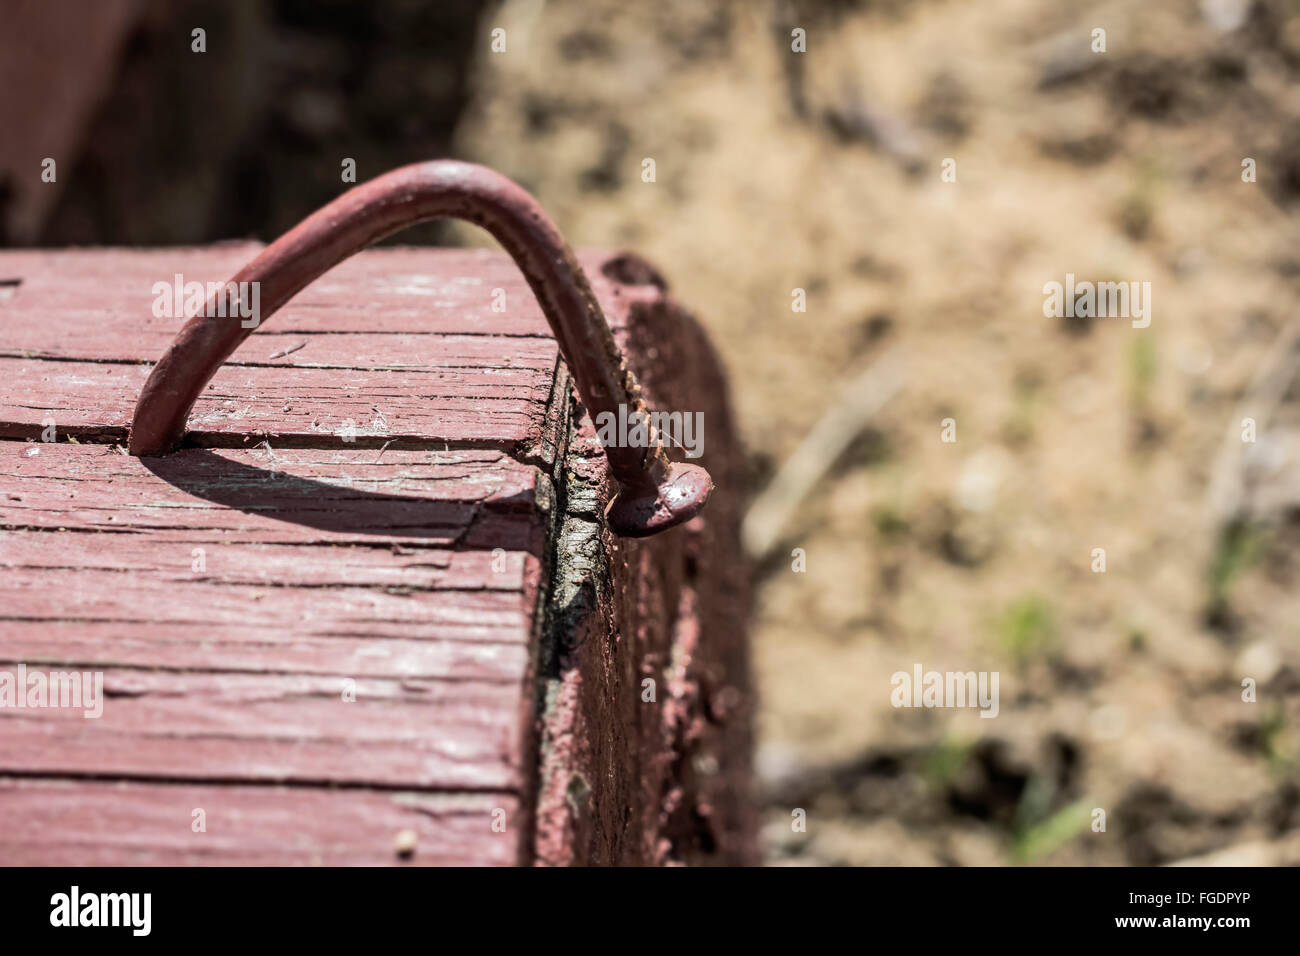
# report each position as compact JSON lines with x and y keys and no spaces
{"x":94,"y":305}
{"x":301,"y":405}
{"x":275,"y":622}
{"x":103,"y":823}
{"x":451,"y":654}
{"x":453,"y":498}
{"x":387,"y":342}
{"x":344,"y":547}
{"x":645,"y":738}
{"x":449,"y":569}
{"x":276,"y":728}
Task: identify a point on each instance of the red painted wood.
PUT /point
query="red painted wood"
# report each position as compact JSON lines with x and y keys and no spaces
{"x":435,"y":653}
{"x":174,"y":725}
{"x":370,"y":496}
{"x":407,"y":576}
{"x":403,"y":349}
{"x":448,"y":567}
{"x":623,"y":778}
{"x":100,"y":823}
{"x":291,"y":405}
{"x":387,"y":290}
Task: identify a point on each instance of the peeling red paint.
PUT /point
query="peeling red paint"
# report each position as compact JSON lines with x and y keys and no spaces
{"x":671,"y":778}
{"x":479,"y":690}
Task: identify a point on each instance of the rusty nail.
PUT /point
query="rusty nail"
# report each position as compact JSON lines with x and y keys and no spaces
{"x":654,"y":493}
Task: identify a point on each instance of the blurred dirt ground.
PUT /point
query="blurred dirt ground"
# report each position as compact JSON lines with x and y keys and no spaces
{"x":820,"y":171}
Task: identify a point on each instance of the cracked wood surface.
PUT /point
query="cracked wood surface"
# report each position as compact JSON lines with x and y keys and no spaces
{"x":107,"y":823}
{"x":323,"y":644}
{"x":401,"y":349}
